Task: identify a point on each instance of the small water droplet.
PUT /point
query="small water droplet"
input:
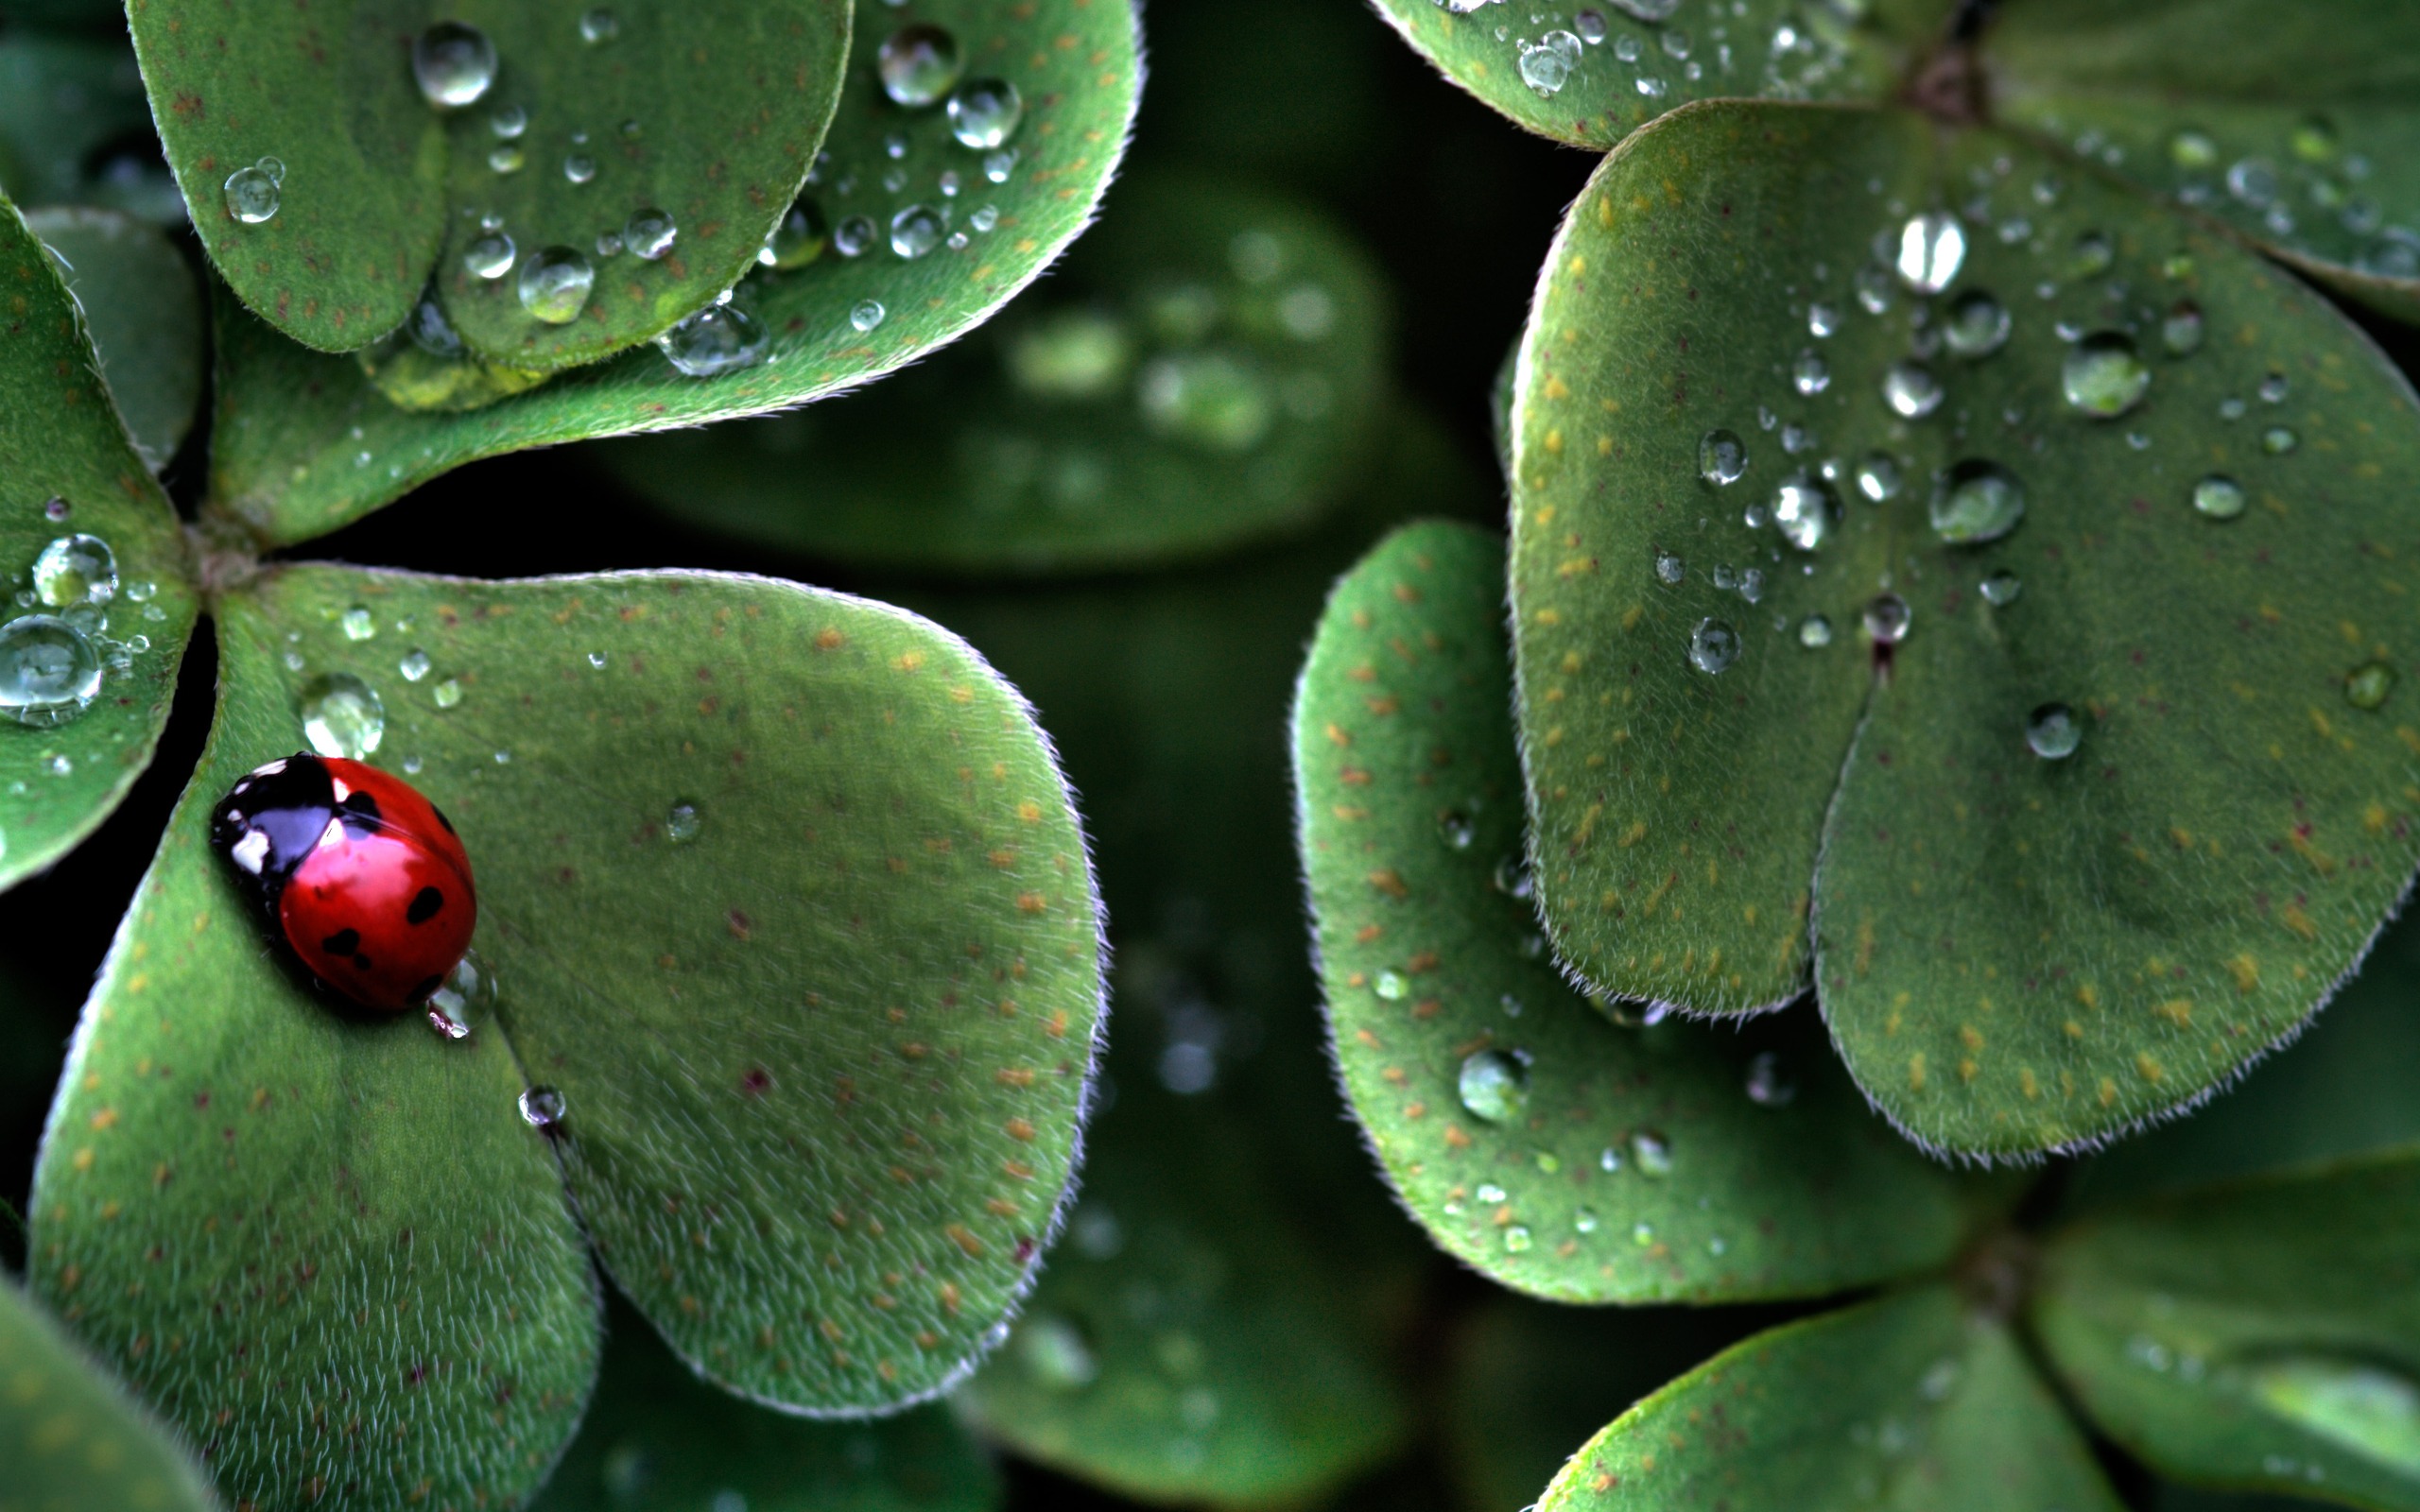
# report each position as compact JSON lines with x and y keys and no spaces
{"x":2254,"y":180}
{"x":649,"y":232}
{"x":1933,"y":247}
{"x":1767,"y":1085}
{"x":490,"y":255}
{"x":865,"y":315}
{"x":2192,"y":149}
{"x":1389,"y":986}
{"x":1713,"y":647}
{"x":681,"y":825}
{"x":341,"y":716}
{"x":1873,"y":290}
{"x":580,"y":167}
{"x":1975,"y":501}
{"x":2104,"y":376}
{"x":464,"y":999}
{"x":717,"y":339}
{"x":2003,"y":588}
{"x":1814,"y":632}
{"x":73,"y":570}
{"x":2273,"y":389}
{"x":56,"y":509}
{"x":1650,"y":1152}
{"x":49,"y":672}
{"x":1584,"y":1221}
{"x":2216,"y":497}
{"x":985,"y":113}
{"x":2278,"y":440}
{"x":1458,"y":830}
{"x":1978,"y":326}
{"x":1822,"y":320}
{"x":453,"y":64}
{"x":542,"y":1109}
{"x":1669,"y":568}
{"x":1887,"y":619}
{"x":414,"y":665}
{"x":446,"y":695}
{"x":1721,"y":457}
{"x":2053,"y":733}
{"x":599,"y":25}
{"x":1206,"y":399}
{"x":2367,"y":686}
{"x":1494,"y":1085}
{"x":1488,"y":1193}
{"x":508,"y":121}
{"x":1511,"y":878}
{"x":1516,"y":1237}
{"x":555,"y":284}
{"x":919,"y":64}
{"x":1879,"y":477}
{"x":2182,"y":329}
{"x":251,"y":195}
{"x":2092,"y":256}
{"x":1911,"y":390}
{"x":1547,"y":64}
{"x":1809,"y":374}
{"x":1805,"y":510}
{"x":357,"y":624}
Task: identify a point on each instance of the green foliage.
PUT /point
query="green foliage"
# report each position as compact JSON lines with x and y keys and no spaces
{"x":2299,"y":134}
{"x":1560,"y":1151}
{"x":2256,"y":1335}
{"x":73,"y":125}
{"x":143,"y":311}
{"x":61,"y":441}
{"x":69,"y":1438}
{"x":1208,"y":370}
{"x":307,"y":443}
{"x":382,"y":183}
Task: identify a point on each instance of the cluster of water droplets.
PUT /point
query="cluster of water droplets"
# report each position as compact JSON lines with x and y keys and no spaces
{"x":2304,"y":183}
{"x":59,"y":645}
{"x":1669,"y":49}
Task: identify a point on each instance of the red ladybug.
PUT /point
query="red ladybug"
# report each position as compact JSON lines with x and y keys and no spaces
{"x":365,"y":879}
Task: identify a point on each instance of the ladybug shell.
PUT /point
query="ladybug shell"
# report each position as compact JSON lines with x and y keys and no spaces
{"x":365,"y":879}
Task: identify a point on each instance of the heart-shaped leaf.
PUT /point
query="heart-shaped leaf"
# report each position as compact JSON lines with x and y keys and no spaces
{"x":1912,"y":1402}
{"x":143,"y":311}
{"x":1561,"y":1153}
{"x":1209,"y":368}
{"x":657,"y":1437}
{"x":74,"y":129}
{"x":96,"y":564}
{"x":67,"y":1436}
{"x":306,"y":443}
{"x":356,"y":156}
{"x":2065,"y":609}
{"x":1590,"y":74}
{"x":2256,"y":1336}
{"x":2296,"y":125}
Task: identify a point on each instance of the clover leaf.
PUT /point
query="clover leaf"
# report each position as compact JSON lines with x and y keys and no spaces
{"x":304,"y":443}
{"x":74,"y":129}
{"x":143,"y":310}
{"x":69,"y":1436}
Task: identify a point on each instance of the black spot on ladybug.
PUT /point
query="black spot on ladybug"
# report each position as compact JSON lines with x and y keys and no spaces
{"x":343,"y":942}
{"x":361,"y":963}
{"x":427,"y":989}
{"x":361,"y":816}
{"x":442,"y":818}
{"x":425,"y":905}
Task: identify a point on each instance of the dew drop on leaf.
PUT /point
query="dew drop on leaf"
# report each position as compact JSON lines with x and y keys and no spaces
{"x":446,"y":695}
{"x":1548,"y":63}
{"x":454,"y":63}
{"x":1669,"y":568}
{"x":1516,"y":1237}
{"x":1054,"y":1351}
{"x":1975,"y":501}
{"x":341,"y":716}
{"x":2003,"y":588}
{"x":599,"y":25}
{"x":681,"y":825}
{"x":1911,"y":390}
{"x":2182,"y":330}
{"x":1713,"y":647}
{"x":2279,"y":441}
{"x":2218,"y":497}
{"x":1805,"y":510}
{"x":251,"y":195}
{"x":2192,"y":149}
{"x":2104,"y":376}
{"x":798,"y":238}
{"x":919,"y":64}
{"x":1494,"y":1085}
{"x":49,"y":671}
{"x":1887,"y":619}
{"x":1389,"y":986}
{"x":916,"y":231}
{"x":73,"y":570}
{"x":1458,"y":830}
{"x":1650,"y":1152}
{"x":985,"y":113}
{"x":1768,"y":1086}
{"x":1933,"y":247}
{"x":1978,"y":326}
{"x":1511,"y":878}
{"x":491,"y":255}
{"x":555,"y":284}
{"x":542,"y":1109}
{"x":2367,"y":686}
{"x":1722,"y":457}
{"x":1814,"y":632}
{"x":357,"y":624}
{"x":2052,"y":732}
{"x":464,"y":999}
{"x":1877,"y":476}
{"x":717,"y":339}
{"x":649,"y":233}
{"x":1809,"y":374}
{"x":865,"y":315}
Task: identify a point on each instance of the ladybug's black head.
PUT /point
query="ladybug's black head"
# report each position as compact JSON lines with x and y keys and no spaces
{"x":267,"y":822}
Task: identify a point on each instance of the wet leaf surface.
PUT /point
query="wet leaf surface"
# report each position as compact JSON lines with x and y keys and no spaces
{"x":69,"y":1436}
{"x":1562,"y":1148}
{"x":2127,"y":794}
{"x":143,"y":308}
{"x":306,"y":443}
{"x":74,"y":129}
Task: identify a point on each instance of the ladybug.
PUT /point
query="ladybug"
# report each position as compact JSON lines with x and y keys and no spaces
{"x":363,"y":875}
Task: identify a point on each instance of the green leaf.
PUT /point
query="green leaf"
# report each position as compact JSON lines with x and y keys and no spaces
{"x":74,"y":128}
{"x":2259,"y":1335}
{"x":143,"y":310}
{"x":1548,"y":75}
{"x":657,"y":1439}
{"x":711,"y":116}
{"x":1559,"y":1153}
{"x":2297,"y":126}
{"x":2014,"y":952}
{"x":69,"y":1438}
{"x":1209,"y":369}
{"x":1912,"y":1402}
{"x":71,"y":473}
{"x":294,"y":428}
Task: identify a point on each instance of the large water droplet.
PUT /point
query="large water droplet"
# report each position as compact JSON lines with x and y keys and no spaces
{"x":2180,"y":331}
{"x":542,"y":1109}
{"x":1494,"y":1085}
{"x":464,"y":999}
{"x":1879,"y":477}
{"x":682,"y":824}
{"x":1768,"y":1086}
{"x":717,"y":339}
{"x":2367,"y":686}
{"x":251,"y":194}
{"x":454,"y":63}
{"x":1814,"y":632}
{"x":1548,"y":63}
{"x":342,"y":716}
{"x":649,"y":232}
{"x":490,"y":255}
{"x":1651,"y":1153}
{"x":1805,"y":510}
{"x":916,"y":231}
{"x":1809,"y":374}
{"x":73,"y":570}
{"x":49,"y":672}
{"x":919,"y":64}
{"x":1887,"y":619}
{"x":2104,"y":376}
{"x":1933,"y":247}
{"x":555,"y":284}
{"x":1713,"y":647}
{"x":1976,"y":500}
{"x":1721,"y":457}
{"x":1978,"y":326}
{"x":1912,"y":390}
{"x":2003,"y":588}
{"x":1669,"y":568}
{"x":985,"y":113}
{"x":865,"y":315}
{"x":2216,"y":497}
{"x":798,"y":238}
{"x":2053,"y":733}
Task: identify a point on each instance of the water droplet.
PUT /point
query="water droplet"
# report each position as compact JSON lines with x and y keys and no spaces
{"x":916,"y":231}
{"x":2092,"y":255}
{"x":508,"y":121}
{"x":1814,"y":632}
{"x":1721,"y":458}
{"x":1207,"y":399}
{"x":431,"y":331}
{"x":2277,"y":440}
{"x":75,"y":570}
{"x":542,"y":1109}
{"x":580,"y":167}
{"x":1879,"y":477}
{"x":1547,"y":64}
{"x":1494,"y":1085}
{"x":1585,"y":1220}
{"x":1977,"y":502}
{"x":2053,"y":733}
{"x":1822,"y":320}
{"x":2254,"y":180}
{"x":649,"y":232}
{"x":1809,"y":374}
{"x":1887,"y":618}
{"x":251,"y":195}
{"x":1609,"y":1159}
{"x":717,"y":339}
{"x":1873,"y":290}
{"x":1458,"y":830}
{"x":2104,"y":376}
{"x":1978,"y":326}
{"x":1713,"y":647}
{"x":555,"y":284}
{"x":490,"y":255}
{"x":1642,"y":1234}
{"x":342,"y":716}
{"x":1389,"y":986}
{"x":1768,"y":1086}
{"x":464,"y":999}
{"x":357,"y":624}
{"x":2273,"y":389}
{"x":798,"y":238}
{"x":1651,"y":1153}
{"x":1912,"y":390}
{"x":2182,"y":329}
{"x":1488,"y":1193}
{"x":454,"y":63}
{"x":1055,"y":1351}
{"x":1669,"y":568}
{"x":2367,"y":686}
{"x":984,"y":112}
{"x":49,"y":672}
{"x":2001,"y":588}
{"x":919,"y":64}
{"x":2355,"y":1405}
{"x":1933,"y":247}
{"x":446,"y":695}
{"x":2216,"y":497}
{"x":682,"y":824}
{"x":1805,"y":511}
{"x":2192,"y":149}
{"x":599,"y":25}
{"x":414,"y":665}
{"x":1516,"y":1237}
{"x":1511,"y":878}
